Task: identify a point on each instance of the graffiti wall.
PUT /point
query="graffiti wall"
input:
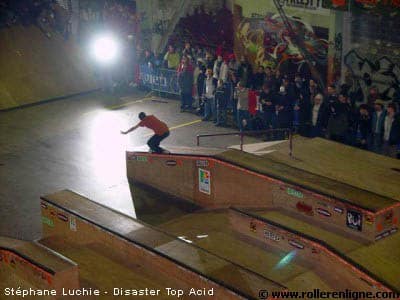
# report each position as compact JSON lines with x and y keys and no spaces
{"x":266,"y":41}
{"x":382,"y":73}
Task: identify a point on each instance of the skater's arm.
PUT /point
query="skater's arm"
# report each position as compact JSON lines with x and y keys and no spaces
{"x":130,"y":129}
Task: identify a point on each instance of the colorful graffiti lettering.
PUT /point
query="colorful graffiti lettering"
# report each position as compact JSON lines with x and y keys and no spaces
{"x":267,"y":42}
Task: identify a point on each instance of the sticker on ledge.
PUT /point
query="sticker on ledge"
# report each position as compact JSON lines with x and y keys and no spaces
{"x":171,"y":163}
{"x":305,"y":208}
{"x":295,"y":193}
{"x":72,"y":223}
{"x":253,"y":226}
{"x":205,"y":181}
{"x":323,"y":212}
{"x":296,"y":244}
{"x":201,"y":163}
{"x":47,"y":221}
{"x":338,"y":210}
{"x":354,"y":220}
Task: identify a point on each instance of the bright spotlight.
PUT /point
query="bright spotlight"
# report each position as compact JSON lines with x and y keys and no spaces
{"x":105,"y":49}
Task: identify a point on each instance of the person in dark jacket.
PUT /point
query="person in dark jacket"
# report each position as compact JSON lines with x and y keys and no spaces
{"x":318,"y":117}
{"x":258,"y":79}
{"x":378,"y":120}
{"x":363,"y":126}
{"x":339,"y":112}
{"x":201,"y":77}
{"x":222,"y":102}
{"x":267,"y":100}
{"x":284,"y":108}
{"x":185,"y":80}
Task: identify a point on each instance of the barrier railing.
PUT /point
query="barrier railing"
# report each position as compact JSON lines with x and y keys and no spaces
{"x":242,"y":134}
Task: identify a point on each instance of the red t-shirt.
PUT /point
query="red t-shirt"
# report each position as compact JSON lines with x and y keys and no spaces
{"x":155,"y":124}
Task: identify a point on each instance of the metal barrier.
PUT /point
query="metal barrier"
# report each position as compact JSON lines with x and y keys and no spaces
{"x":242,"y":134}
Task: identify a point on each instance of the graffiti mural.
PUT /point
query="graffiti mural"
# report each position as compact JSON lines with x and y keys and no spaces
{"x":382,"y":73}
{"x":266,"y":41}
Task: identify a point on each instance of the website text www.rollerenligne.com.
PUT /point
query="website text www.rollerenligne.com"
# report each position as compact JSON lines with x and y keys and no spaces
{"x":318,"y":294}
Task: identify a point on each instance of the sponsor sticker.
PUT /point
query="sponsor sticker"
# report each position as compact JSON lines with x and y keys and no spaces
{"x":205,"y":181}
{"x":141,"y":158}
{"x":47,"y":221}
{"x":323,"y":212}
{"x":72,"y":223}
{"x":354,"y":220}
{"x":295,"y":193}
{"x":339,"y":210}
{"x":202,"y":163}
{"x":271,"y":235}
{"x":171,"y":163}
{"x":43,"y":205}
{"x":62,"y":217}
{"x":253,"y":226}
{"x":296,"y":244}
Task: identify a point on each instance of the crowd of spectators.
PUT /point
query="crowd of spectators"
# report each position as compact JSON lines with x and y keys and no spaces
{"x":265,"y":98}
{"x":47,"y":15}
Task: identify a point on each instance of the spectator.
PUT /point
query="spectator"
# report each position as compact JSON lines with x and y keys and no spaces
{"x":188,"y":51}
{"x":217,"y":67}
{"x":148,"y":58}
{"x":277,"y":81}
{"x":200,"y":78}
{"x":391,"y":136}
{"x":378,"y":121}
{"x":363,"y":127}
{"x":267,"y":100}
{"x":243,"y":116}
{"x":209,"y":61}
{"x":224,"y":70}
{"x":172,"y":58}
{"x":372,"y":96}
{"x":245,"y":72}
{"x":185,"y":80}
{"x":269,"y":77}
{"x":210,"y":86}
{"x":338,"y":122}
{"x":221,"y":100}
{"x":318,"y":117}
{"x":283,"y":108}
{"x":259,"y":78}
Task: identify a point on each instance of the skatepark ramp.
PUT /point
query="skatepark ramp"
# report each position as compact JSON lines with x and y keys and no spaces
{"x":217,"y":178}
{"x":118,"y":254}
{"x":35,"y":68}
{"x":32,"y":265}
{"x":326,"y":259}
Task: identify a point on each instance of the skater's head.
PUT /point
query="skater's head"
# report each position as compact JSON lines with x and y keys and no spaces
{"x":142,"y":115}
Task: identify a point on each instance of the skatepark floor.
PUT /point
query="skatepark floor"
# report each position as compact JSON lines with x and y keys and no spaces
{"x":75,"y":143}
{"x":212,"y":231}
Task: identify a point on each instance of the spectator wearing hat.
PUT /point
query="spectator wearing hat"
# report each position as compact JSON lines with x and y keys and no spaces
{"x":391,"y":134}
{"x":378,"y":122}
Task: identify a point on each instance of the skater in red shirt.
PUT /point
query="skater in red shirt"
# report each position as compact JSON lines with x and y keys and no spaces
{"x":160,"y":129}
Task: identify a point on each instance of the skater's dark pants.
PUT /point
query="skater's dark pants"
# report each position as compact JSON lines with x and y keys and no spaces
{"x":155,"y":140}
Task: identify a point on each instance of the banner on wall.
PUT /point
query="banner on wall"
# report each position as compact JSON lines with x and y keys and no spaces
{"x":306,"y":4}
{"x":160,"y":80}
{"x":378,"y":6}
